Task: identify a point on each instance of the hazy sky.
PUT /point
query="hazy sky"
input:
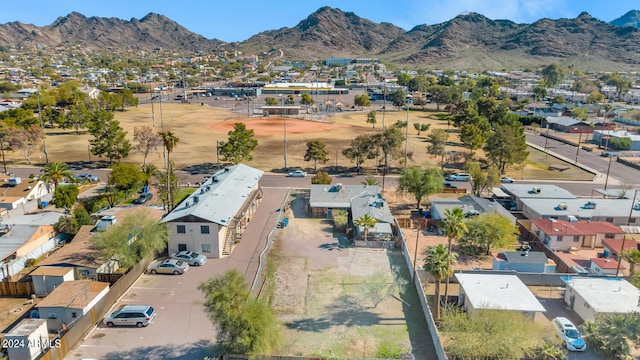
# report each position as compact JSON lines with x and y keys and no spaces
{"x":238,"y":20}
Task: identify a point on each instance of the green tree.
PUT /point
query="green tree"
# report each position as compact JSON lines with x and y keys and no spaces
{"x":306,"y":99}
{"x":269,"y":101}
{"x":632,"y":257}
{"x":362,"y":147}
{"x":241,"y":143}
{"x":611,"y":335}
{"x":616,"y":80}
{"x":109,"y":139}
{"x":64,"y":197}
{"x":580,"y":113}
{"x":316,"y":151}
{"x":482,"y":179}
{"x":506,"y":145}
{"x":399,"y":98}
{"x":76,"y":117}
{"x":472,"y":137}
{"x":364,"y":223}
{"x":421,"y":127}
{"x":438,"y":139}
{"x":420,"y":183}
{"x":71,"y":224}
{"x":488,"y":231}
{"x":362,"y":100}
{"x":139,"y":236}
{"x":126,"y":177}
{"x":454,"y":228}
{"x":370,"y":181}
{"x":55,"y":173}
{"x":540,"y":92}
{"x":321,"y":178}
{"x":245,"y":325}
{"x":623,"y":143}
{"x":436,"y":264}
{"x":388,"y":142}
{"x":170,"y":141}
{"x":552,"y":74}
{"x":371,"y":118}
{"x":149,"y":171}
{"x":403,"y":79}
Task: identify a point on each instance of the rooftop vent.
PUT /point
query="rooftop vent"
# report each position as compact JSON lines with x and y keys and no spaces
{"x":590,"y":205}
{"x":15,"y":181}
{"x":196,"y":199}
{"x":535,"y":190}
{"x":562,"y":206}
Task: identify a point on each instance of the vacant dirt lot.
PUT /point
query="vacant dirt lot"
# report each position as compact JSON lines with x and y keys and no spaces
{"x":317,"y":292}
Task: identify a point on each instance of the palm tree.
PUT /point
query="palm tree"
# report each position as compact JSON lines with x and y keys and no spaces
{"x":149,"y":171}
{"x":371,"y":181}
{"x":437,"y":264}
{"x":454,"y":228}
{"x":169,"y":140}
{"x":54,"y":173}
{"x":367,"y":222}
{"x":632,"y":257}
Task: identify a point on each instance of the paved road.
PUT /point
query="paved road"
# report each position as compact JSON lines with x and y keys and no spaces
{"x":625,"y":174}
{"x":182,"y":329}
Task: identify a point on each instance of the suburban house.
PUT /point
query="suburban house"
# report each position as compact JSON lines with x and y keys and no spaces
{"x":592,"y":296}
{"x":359,"y":200}
{"x":212,"y":219}
{"x":613,"y":247}
{"x":523,"y":261}
{"x":496,"y":292}
{"x":603,"y":137}
{"x":522,"y":192}
{"x":564,"y":235}
{"x":615,"y":211}
{"x":16,"y":192}
{"x":569,"y":124}
{"x":605,"y":267}
{"x":69,"y":301}
{"x":81,"y":255}
{"x":470,"y":205}
{"x":19,"y":243}
{"x":47,"y":278}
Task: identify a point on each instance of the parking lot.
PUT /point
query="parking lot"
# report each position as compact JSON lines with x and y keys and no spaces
{"x":182,"y":329}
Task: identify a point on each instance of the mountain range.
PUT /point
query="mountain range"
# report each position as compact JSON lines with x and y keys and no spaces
{"x":469,"y":41}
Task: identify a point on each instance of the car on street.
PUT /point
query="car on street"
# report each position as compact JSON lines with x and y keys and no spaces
{"x":138,"y":315}
{"x":169,"y":266}
{"x":143,"y":198}
{"x":297,"y":173}
{"x":459,"y":177}
{"x":87,"y":178}
{"x":569,"y":334}
{"x":506,"y":180}
{"x":448,"y":185}
{"x":190,"y":257}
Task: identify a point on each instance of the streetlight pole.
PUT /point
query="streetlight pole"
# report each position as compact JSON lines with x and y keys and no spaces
{"x":633,"y":203}
{"x":546,"y":141}
{"x":284,"y":111}
{"x":578,"y":149}
{"x":415,"y":253}
{"x":406,"y":138}
{"x":44,"y":142}
{"x":606,"y":181}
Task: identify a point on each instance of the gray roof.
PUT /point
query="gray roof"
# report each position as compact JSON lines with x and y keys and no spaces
{"x":562,"y":120}
{"x":220,"y":200}
{"x":468,"y":203}
{"x":523,"y":191}
{"x":41,"y":218}
{"x":498,"y":292}
{"x":607,"y":295}
{"x":14,"y":237}
{"x":525,"y":257}
{"x":338,"y":195}
{"x":575,"y":207}
{"x":375,"y":206}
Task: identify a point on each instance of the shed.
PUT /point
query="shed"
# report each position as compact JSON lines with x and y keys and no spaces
{"x":47,"y":278}
{"x":27,"y":332}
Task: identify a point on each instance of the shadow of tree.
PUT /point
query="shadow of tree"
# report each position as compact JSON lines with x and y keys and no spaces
{"x":197,"y":350}
{"x":299,"y":204}
{"x":204,"y":168}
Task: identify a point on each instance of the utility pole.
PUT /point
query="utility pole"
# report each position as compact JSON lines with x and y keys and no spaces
{"x":633,"y":203}
{"x":415,"y":253}
{"x":606,"y":181}
{"x":578,"y":149}
{"x":44,"y":141}
{"x":406,"y":137}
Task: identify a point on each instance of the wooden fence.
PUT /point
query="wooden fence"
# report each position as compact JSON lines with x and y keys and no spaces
{"x":10,"y":288}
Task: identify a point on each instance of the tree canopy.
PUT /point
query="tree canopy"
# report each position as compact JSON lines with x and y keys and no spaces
{"x":420,"y":183}
{"x":486,"y":232}
{"x":240,"y":144}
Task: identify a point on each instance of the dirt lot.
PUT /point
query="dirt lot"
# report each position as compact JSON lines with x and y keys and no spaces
{"x":316,"y":290}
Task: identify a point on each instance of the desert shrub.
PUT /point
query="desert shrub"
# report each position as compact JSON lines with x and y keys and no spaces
{"x":340,"y":219}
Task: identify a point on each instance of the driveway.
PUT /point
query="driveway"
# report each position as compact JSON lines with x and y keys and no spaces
{"x":182,"y":329}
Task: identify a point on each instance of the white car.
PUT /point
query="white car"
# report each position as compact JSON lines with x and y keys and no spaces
{"x":459,"y":177}
{"x":569,"y":334}
{"x":506,"y":179}
{"x":190,"y":257}
{"x":297,"y":173}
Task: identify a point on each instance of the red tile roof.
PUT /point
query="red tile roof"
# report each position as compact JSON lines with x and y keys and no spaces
{"x":561,"y":227}
{"x":607,"y":263}
{"x":616,"y":244}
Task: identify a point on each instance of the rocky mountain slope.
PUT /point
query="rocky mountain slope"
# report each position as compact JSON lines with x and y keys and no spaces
{"x":469,"y":41}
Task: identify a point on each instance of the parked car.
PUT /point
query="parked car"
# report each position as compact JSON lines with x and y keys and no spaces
{"x":459,"y":177}
{"x":506,"y":179}
{"x":143,"y":198}
{"x":448,"y":185}
{"x":169,"y":266}
{"x":138,"y":315}
{"x":297,"y":173}
{"x":87,"y":178}
{"x":190,"y":257}
{"x":569,"y":334}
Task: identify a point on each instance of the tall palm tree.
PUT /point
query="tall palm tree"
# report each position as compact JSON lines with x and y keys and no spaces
{"x":454,"y":228}
{"x":149,"y":171}
{"x":632,"y":257}
{"x":169,"y":140}
{"x":437,"y":265}
{"x":367,"y":222}
{"x":54,"y":173}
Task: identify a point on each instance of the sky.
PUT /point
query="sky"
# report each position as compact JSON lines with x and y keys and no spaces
{"x":237,"y":21}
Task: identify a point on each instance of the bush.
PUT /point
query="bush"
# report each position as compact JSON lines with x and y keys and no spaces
{"x":340,"y":219}
{"x":389,"y":350}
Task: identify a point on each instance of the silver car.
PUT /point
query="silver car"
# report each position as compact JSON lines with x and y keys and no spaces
{"x":190,"y":257}
{"x":169,"y":266}
{"x":138,"y":315}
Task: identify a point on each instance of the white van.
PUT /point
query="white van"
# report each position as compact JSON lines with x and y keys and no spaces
{"x":459,"y":177}
{"x":138,"y":315}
